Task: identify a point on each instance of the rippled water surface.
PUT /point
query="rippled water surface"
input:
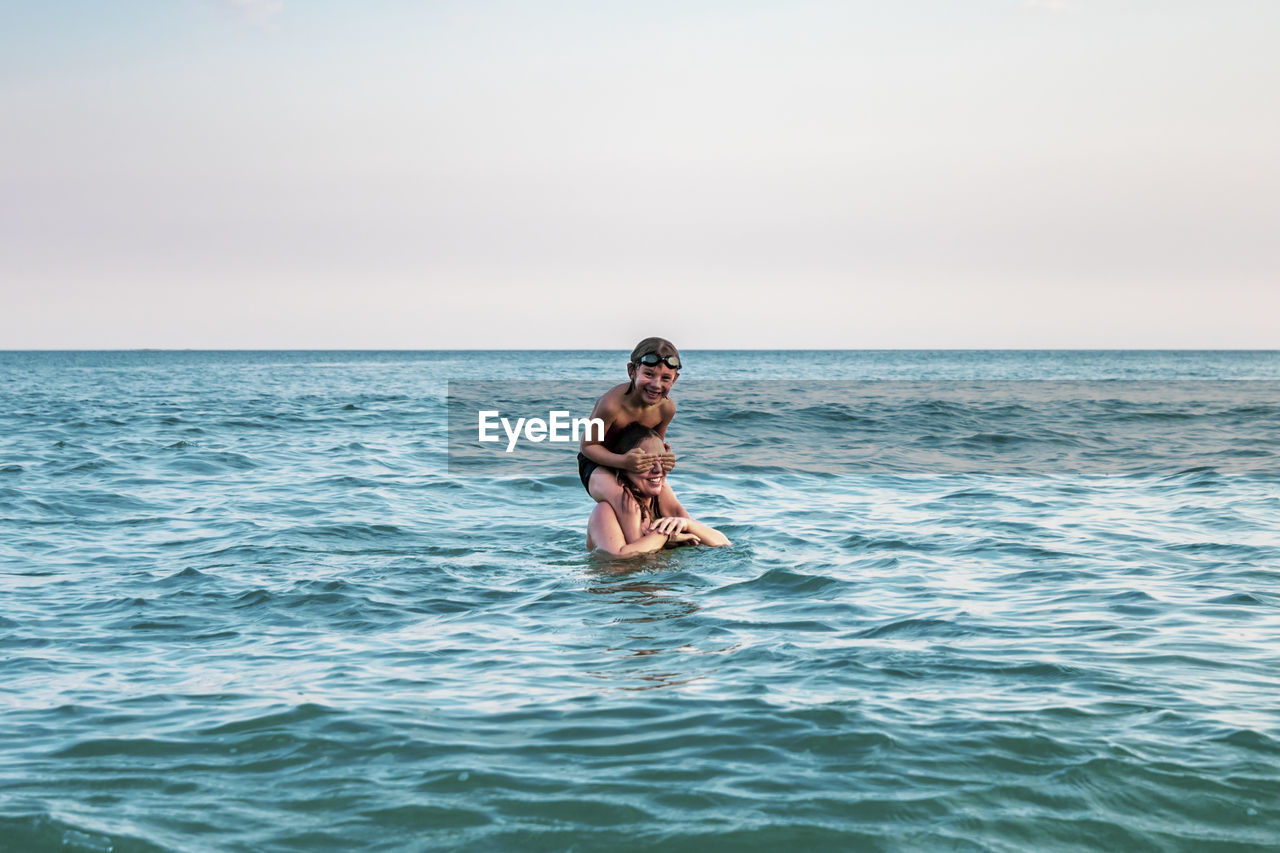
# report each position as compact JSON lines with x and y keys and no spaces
{"x":250,"y":606}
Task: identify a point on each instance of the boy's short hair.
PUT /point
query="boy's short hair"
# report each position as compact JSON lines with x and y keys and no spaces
{"x":661,"y":346}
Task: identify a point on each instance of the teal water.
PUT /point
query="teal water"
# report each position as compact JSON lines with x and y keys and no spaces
{"x":250,"y":606}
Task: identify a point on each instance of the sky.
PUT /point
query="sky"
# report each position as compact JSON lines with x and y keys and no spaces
{"x":282,"y":174}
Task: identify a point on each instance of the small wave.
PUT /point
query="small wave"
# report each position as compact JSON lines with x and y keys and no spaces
{"x":1226,"y":549}
{"x":1198,"y":472}
{"x":1131,"y":596}
{"x":253,"y":598}
{"x":34,"y":833}
{"x":135,"y":747}
{"x":347,"y":481}
{"x":542,"y":484}
{"x":785,"y":581}
{"x":92,"y":465}
{"x":115,"y":604}
{"x":996,"y":439}
{"x":1252,"y":412}
{"x":213,"y":463}
{"x":972,"y":494}
{"x":274,"y":721}
{"x":860,"y":543}
{"x":186,"y":577}
{"x":348,"y":532}
{"x":421,"y":817}
{"x":1254,"y":741}
{"x":1244,"y":599}
{"x":1041,"y":670}
{"x":744,"y":415}
{"x":915,"y":628}
{"x":159,"y":625}
{"x":1043,"y":576}
{"x":1119,"y":414}
{"x":146,"y":521}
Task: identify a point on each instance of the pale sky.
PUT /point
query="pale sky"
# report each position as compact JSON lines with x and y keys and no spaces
{"x":474,"y":174}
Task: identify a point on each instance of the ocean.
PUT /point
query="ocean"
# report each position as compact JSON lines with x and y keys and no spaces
{"x":975,"y":601}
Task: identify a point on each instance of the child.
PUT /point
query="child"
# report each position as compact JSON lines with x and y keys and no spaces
{"x":653,"y":369}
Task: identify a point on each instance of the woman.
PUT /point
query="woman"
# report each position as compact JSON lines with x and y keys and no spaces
{"x":645,"y":524}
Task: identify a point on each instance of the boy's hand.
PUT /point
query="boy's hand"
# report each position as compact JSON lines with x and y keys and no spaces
{"x":668,"y":459}
{"x":637,"y":461}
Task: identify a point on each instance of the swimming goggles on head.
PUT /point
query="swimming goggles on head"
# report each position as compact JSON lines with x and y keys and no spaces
{"x":652,"y":359}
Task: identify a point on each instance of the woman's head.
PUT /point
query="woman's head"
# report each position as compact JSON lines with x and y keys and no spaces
{"x":653,"y":369}
{"x":647,"y":483}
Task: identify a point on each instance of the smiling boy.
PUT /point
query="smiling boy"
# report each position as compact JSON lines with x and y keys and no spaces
{"x":652,"y":370}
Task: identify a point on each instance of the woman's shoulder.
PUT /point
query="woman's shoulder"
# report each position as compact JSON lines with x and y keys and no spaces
{"x":603,"y":511}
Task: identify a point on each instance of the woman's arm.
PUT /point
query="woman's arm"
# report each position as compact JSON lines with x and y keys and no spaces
{"x":708,"y":535}
{"x":604,"y":531}
{"x":680,"y":529}
{"x":668,"y":505}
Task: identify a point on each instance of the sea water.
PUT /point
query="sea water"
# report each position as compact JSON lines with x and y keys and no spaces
{"x":249,"y":604}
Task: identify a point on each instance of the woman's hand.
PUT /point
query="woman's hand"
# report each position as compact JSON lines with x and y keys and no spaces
{"x":683,"y":539}
{"x":668,"y":526}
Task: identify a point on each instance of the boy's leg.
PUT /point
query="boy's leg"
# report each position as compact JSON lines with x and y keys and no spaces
{"x":605,"y":488}
{"x":602,"y":485}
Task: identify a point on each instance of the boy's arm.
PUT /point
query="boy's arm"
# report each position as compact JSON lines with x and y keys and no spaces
{"x":669,"y":413}
{"x":595,"y":450}
{"x":668,"y":458}
{"x":634,"y":460}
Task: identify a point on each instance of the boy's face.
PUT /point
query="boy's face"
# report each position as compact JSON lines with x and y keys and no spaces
{"x":652,"y":381}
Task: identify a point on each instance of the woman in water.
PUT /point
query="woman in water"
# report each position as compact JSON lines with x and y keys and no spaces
{"x":646,"y":522}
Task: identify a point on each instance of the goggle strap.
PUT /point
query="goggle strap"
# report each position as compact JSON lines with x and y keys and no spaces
{"x":651,"y":359}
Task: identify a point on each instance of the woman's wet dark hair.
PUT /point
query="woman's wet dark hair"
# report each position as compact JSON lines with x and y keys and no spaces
{"x":661,"y":346}
{"x":626,"y":439}
{"x":629,"y":436}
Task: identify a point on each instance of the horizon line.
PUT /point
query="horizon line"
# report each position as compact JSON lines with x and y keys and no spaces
{"x":613,"y":349}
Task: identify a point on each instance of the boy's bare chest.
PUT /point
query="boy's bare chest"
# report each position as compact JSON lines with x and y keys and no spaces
{"x":650,"y":417}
